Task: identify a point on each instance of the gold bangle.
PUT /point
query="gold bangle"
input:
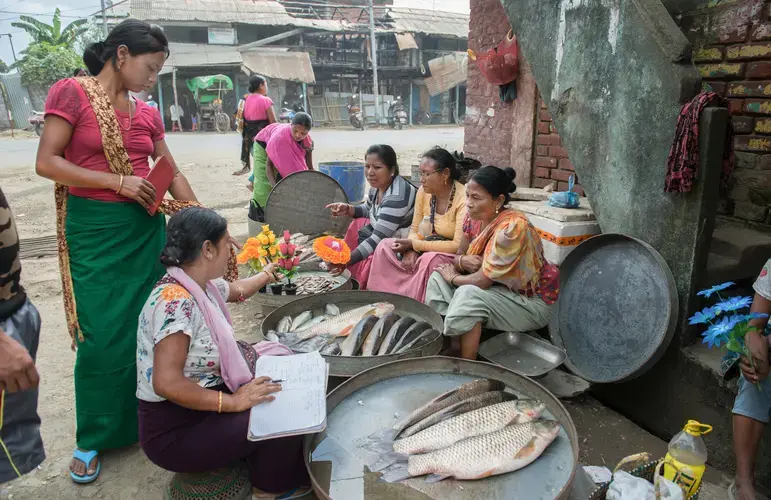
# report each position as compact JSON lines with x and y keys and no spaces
{"x":120,"y":186}
{"x":219,"y":404}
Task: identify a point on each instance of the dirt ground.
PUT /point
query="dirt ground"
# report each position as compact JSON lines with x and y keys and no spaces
{"x":208,"y":161}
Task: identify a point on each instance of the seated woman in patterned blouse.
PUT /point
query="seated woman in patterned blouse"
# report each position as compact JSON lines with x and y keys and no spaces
{"x":195,"y":383}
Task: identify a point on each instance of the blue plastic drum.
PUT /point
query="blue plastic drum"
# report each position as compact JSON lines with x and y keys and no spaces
{"x":350,"y":175}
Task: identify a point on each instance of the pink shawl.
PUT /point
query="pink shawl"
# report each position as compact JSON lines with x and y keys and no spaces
{"x":286,"y":154}
{"x":233,"y":367}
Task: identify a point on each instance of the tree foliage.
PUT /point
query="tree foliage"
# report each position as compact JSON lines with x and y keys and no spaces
{"x":52,"y":34}
{"x":92,"y":33}
{"x":3,"y":67}
{"x":44,"y":64}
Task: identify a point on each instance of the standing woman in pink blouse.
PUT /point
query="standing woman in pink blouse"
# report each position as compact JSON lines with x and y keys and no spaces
{"x":96,"y":145}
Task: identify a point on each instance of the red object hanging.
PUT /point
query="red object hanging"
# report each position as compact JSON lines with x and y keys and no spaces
{"x":499,"y":65}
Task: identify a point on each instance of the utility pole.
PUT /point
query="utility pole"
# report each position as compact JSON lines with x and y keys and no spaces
{"x":10,"y":39}
{"x":373,"y":51}
{"x":104,"y":20}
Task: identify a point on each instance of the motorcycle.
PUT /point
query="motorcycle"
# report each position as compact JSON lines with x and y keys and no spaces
{"x":355,"y":115}
{"x":397,"y":115}
{"x":36,"y":120}
{"x":287,"y":112}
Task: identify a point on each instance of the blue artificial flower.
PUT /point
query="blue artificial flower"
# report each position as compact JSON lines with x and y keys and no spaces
{"x":704,"y":316}
{"x":733,"y":304}
{"x":717,"y":288}
{"x":750,"y":316}
{"x":718,"y":331}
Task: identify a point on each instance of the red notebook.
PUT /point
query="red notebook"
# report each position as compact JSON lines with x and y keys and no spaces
{"x":160,"y":176}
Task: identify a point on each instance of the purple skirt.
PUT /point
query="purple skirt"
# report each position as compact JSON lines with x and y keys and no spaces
{"x":188,"y":441}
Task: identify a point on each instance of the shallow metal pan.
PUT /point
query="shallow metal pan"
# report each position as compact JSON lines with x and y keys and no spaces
{"x":522,"y":353}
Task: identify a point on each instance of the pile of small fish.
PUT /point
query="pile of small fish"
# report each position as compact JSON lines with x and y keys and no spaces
{"x":371,"y":330}
{"x":472,"y":432}
{"x":307,"y":285}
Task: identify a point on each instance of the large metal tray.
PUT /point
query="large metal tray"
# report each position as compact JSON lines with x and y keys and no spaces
{"x":369,"y":402}
{"x":267,"y":302}
{"x":522,"y":353}
{"x":617,"y":310}
{"x":348,"y":366}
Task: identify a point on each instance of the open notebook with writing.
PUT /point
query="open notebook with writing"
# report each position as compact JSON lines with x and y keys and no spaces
{"x":301,"y":405}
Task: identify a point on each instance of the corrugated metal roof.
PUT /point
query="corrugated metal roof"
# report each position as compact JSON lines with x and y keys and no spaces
{"x":259,"y":12}
{"x":430,"y":22}
{"x":447,"y":72}
{"x":185,"y":55}
{"x":294,"y":66}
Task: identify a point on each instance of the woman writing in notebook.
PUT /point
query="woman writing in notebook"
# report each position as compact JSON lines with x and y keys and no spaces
{"x":96,"y":145}
{"x":196,"y":384}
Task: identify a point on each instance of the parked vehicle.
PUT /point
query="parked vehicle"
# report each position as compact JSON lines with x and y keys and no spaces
{"x":288,"y":112}
{"x":354,"y":113}
{"x":36,"y":120}
{"x":397,"y":114}
{"x":208,"y":92}
{"x":422,"y":117}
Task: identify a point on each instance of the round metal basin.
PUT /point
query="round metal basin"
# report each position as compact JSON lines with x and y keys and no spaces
{"x":374,"y":399}
{"x":348,"y":366}
{"x":268,"y":302}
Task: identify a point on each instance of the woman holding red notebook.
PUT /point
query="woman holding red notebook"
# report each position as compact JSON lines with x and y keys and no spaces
{"x":96,"y":145}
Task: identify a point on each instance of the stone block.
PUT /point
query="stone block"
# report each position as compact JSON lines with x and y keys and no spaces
{"x":544,"y":115}
{"x":750,"y":89}
{"x":580,"y":190}
{"x":711,"y":54}
{"x":743,"y":124}
{"x":561,"y":175}
{"x":724,"y":70}
{"x":545,"y":162}
{"x":553,"y":128}
{"x":735,"y":106}
{"x":544,"y":128}
{"x":746,"y":161}
{"x":542,"y":150}
{"x":541,"y":183}
{"x":758,"y":107}
{"x":566,"y":165}
{"x":750,"y":212}
{"x":558,"y":152}
{"x":542,"y":172}
{"x":761,"y":32}
{"x":548,"y":140}
{"x":751,"y":186}
{"x":725,"y":207}
{"x":763,"y":126}
{"x":765,"y":162}
{"x":753,"y":143}
{"x":758,"y":69}
{"x":749,"y":51}
{"x":716,"y":87}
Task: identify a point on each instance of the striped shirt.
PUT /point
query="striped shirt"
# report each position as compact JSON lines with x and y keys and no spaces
{"x":393,"y":213}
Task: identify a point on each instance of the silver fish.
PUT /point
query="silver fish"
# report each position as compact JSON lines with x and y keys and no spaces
{"x":506,"y":450}
{"x":410,"y":335}
{"x":300,"y":320}
{"x":313,"y":344}
{"x":332,"y":349}
{"x":331,"y":310}
{"x":449,"y":398}
{"x":352,"y":344}
{"x":342,"y":325}
{"x":465,"y":406}
{"x":310,"y":324}
{"x":285,"y":324}
{"x":378,"y":333}
{"x":393,"y":335}
{"x":271,"y":336}
{"x":474,"y":423}
{"x":419,"y":341}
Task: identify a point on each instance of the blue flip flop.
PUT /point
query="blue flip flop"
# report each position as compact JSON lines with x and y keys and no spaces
{"x":86,"y":457}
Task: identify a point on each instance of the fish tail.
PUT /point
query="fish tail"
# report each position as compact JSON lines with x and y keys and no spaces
{"x":388,"y":460}
{"x":395,"y":472}
{"x":435,"y":478}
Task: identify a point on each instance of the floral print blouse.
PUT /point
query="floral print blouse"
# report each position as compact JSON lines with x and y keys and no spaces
{"x":171,"y":309}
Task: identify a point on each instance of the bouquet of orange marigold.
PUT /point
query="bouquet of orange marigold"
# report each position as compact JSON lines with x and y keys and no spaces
{"x":332,"y":250}
{"x":260,"y":250}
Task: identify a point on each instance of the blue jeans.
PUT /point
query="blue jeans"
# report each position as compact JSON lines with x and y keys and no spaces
{"x":753,"y":402}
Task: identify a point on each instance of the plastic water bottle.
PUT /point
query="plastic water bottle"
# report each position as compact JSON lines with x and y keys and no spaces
{"x":424,"y":229}
{"x":686,"y":461}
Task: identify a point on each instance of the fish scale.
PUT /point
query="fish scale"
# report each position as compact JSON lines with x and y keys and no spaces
{"x":506,"y":450}
{"x":474,"y":423}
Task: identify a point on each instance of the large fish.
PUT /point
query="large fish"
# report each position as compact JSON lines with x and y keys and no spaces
{"x":506,"y":450}
{"x":355,"y":339}
{"x":310,"y":324}
{"x":342,"y":324}
{"x":394,"y":334}
{"x":378,"y":333}
{"x":331,"y":310}
{"x":300,"y":320}
{"x":285,"y":324}
{"x":449,"y":398}
{"x":465,"y":406}
{"x":410,"y":335}
{"x":424,"y":338}
{"x":474,"y":423}
{"x":313,"y":344}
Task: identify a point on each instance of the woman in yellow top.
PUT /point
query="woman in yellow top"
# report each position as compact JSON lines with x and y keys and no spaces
{"x":436,"y":232}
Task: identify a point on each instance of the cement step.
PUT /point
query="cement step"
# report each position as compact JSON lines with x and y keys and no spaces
{"x":736,"y":253}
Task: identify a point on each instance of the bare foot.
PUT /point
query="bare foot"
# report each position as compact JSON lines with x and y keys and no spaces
{"x":244,"y":170}
{"x":79,"y":468}
{"x":745,"y":490}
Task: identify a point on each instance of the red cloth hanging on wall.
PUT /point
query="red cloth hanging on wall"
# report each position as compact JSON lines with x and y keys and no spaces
{"x":499,"y":65}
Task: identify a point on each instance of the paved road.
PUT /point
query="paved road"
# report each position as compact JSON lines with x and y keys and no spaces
{"x":190,"y":146}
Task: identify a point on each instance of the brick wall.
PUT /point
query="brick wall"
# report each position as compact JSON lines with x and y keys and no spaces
{"x":732,"y":51}
{"x":551,"y":164}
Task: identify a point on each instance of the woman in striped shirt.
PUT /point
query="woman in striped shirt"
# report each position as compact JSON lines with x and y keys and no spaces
{"x":386,"y":213}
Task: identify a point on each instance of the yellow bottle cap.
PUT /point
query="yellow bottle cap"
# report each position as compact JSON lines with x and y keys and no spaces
{"x":695,"y":428}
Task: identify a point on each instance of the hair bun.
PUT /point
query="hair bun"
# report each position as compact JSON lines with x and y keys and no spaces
{"x":511,"y":174}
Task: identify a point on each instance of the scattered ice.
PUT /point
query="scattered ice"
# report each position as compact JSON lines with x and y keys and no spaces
{"x":361,"y":403}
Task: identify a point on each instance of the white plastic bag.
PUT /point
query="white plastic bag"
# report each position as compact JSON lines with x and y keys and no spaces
{"x":627,"y":487}
{"x":668,"y":490}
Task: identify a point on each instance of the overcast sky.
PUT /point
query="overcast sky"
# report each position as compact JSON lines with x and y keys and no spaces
{"x":74,"y":9}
